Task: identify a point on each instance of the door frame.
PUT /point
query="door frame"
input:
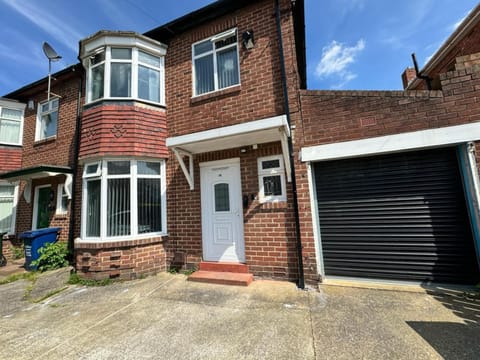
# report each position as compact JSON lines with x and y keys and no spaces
{"x":35,"y":204}
{"x":241,"y":240}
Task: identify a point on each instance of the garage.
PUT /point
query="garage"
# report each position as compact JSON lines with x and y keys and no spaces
{"x":399,"y":216}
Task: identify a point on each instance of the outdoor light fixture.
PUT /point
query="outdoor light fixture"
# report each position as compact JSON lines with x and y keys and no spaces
{"x":52,"y":56}
{"x":248,"y":40}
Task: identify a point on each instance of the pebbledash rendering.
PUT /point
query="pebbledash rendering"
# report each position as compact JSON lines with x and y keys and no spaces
{"x":197,"y":146}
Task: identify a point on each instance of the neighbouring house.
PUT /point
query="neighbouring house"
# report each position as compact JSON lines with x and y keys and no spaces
{"x":197,"y":145}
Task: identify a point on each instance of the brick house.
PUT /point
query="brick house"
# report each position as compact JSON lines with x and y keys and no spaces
{"x":197,"y":144}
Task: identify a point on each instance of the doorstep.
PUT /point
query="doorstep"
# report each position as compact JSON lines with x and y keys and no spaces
{"x":222,"y":273}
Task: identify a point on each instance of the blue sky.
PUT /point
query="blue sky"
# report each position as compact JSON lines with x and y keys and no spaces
{"x":351,"y":44}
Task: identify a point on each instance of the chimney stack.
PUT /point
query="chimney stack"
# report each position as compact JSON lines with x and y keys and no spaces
{"x":408,"y":76}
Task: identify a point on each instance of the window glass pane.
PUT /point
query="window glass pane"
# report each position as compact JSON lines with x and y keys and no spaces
{"x":272,"y":185}
{"x":271,"y":164}
{"x":11,"y":114}
{"x":93,"y":208}
{"x":118,"y":167}
{"x":118,"y":207}
{"x":7,"y":190}
{"x":54,"y":104}
{"x":149,"y":205}
{"x":6,"y":209}
{"x":222,"y":197}
{"x":227,"y":68}
{"x":10,"y":131}
{"x":148,"y":84}
{"x":45,"y":107}
{"x":121,"y":53}
{"x":148,"y":59}
{"x":96,"y":83}
{"x":49,"y":125}
{"x":91,"y":169}
{"x":120,"y":80}
{"x":202,"y":47}
{"x":204,"y":81}
{"x":148,"y":168}
{"x":97,"y":58}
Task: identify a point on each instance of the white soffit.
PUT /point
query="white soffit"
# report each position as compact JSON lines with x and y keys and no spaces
{"x":450,"y":135}
{"x":229,"y":137}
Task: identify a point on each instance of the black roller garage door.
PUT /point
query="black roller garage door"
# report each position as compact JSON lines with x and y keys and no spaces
{"x":400,"y":216}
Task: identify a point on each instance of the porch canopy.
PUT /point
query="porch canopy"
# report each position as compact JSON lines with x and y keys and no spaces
{"x":39,"y":172}
{"x":229,"y":137}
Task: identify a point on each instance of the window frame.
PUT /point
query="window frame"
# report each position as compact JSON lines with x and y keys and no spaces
{"x":215,"y":38}
{"x":14,"y":198}
{"x":278,"y":171}
{"x":133,"y":176}
{"x":61,"y":193}
{"x":134,"y":63}
{"x":20,"y":121}
{"x":41,"y":113}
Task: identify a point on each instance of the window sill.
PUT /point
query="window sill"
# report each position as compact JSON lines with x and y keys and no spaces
{"x":45,"y":141}
{"x":136,"y":241}
{"x":122,"y":101}
{"x":216,"y":94}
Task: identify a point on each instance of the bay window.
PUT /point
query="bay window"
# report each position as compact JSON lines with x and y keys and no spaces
{"x":123,"y":198}
{"x":131,"y":71}
{"x":215,"y":63}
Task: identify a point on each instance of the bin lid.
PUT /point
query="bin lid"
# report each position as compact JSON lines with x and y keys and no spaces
{"x":30,"y":234}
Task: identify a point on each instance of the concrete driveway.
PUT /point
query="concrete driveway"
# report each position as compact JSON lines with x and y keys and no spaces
{"x":166,"y":317}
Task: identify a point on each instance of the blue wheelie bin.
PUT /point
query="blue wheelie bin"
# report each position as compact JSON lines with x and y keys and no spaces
{"x":33,"y":240}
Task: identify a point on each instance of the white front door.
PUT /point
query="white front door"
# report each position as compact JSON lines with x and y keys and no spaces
{"x":222,"y":213}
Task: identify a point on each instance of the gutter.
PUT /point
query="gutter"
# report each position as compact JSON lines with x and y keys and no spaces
{"x":301,"y":276}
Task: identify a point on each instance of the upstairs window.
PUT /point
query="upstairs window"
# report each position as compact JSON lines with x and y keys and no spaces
{"x":271,"y":179}
{"x":215,"y":63}
{"x":11,"y":121}
{"x":47,"y":119}
{"x":125,"y":72}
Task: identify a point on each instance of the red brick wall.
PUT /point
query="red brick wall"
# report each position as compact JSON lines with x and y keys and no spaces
{"x":268,"y":228}
{"x":259,"y":94}
{"x":123,"y":130}
{"x":336,"y":116}
{"x":10,"y":158}
{"x":55,"y":151}
{"x":120,"y":260}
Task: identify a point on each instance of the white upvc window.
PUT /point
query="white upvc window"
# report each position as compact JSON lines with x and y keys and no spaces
{"x":62,"y":200}
{"x":47,"y":120}
{"x":11,"y":126}
{"x":271,"y":179}
{"x":123,"y":199}
{"x":8,"y":204}
{"x":125,"y":73}
{"x":215,"y":63}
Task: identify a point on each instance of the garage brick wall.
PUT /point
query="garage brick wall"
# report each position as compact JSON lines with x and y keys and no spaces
{"x":337,"y":116}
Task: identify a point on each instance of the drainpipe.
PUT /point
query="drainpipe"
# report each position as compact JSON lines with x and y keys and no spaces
{"x":301,"y":277}
{"x":76,"y":150}
{"x":427,"y":80}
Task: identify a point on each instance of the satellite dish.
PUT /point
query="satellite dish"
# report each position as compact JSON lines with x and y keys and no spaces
{"x":50,"y":53}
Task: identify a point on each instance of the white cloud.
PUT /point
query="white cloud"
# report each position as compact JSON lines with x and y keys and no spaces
{"x":48,"y":22}
{"x":336,"y":59}
{"x":457,"y":23}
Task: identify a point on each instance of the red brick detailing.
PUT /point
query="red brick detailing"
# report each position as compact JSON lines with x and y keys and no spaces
{"x":10,"y":158}
{"x":120,"y":260}
{"x":123,"y":130}
{"x":10,"y":243}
